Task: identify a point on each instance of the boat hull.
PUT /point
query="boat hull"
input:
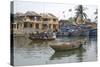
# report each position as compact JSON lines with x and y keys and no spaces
{"x":42,"y":39}
{"x":93,"y":32}
{"x":64,"y":49}
{"x":67,"y":46}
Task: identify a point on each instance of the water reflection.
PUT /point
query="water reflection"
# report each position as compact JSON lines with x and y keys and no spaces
{"x":28,"y":52}
{"x":61,"y":54}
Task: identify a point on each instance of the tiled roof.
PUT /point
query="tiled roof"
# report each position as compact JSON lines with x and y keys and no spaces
{"x":31,"y":13}
{"x":48,"y":15}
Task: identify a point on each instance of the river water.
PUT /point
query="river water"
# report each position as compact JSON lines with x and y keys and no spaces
{"x":28,"y":52}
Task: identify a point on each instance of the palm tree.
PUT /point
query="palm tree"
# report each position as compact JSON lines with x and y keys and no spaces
{"x":80,"y":13}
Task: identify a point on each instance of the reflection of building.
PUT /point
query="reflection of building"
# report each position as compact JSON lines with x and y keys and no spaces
{"x":31,"y":22}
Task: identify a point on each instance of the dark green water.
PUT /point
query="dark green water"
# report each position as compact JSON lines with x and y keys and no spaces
{"x":27,"y":52}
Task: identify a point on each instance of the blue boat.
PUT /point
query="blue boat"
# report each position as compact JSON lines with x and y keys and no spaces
{"x":93,"y":32}
{"x":85,"y":29}
{"x":73,"y":30}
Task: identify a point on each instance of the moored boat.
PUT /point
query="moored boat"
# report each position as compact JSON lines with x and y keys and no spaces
{"x":93,"y":32}
{"x":44,"y":39}
{"x":70,"y":45}
{"x":43,"y":36}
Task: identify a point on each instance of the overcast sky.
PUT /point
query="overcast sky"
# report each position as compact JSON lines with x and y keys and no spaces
{"x":57,"y":9}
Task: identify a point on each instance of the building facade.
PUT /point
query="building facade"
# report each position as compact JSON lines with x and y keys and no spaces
{"x":31,"y":22}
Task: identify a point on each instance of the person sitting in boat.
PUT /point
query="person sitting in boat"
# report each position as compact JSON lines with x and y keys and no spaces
{"x":37,"y":34}
{"x":45,"y":35}
{"x":41,"y":35}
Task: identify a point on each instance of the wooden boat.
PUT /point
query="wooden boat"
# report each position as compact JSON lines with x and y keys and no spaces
{"x":70,"y":45}
{"x":44,"y":39}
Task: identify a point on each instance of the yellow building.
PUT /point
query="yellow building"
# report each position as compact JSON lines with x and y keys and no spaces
{"x":32,"y":22}
{"x":49,"y":22}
